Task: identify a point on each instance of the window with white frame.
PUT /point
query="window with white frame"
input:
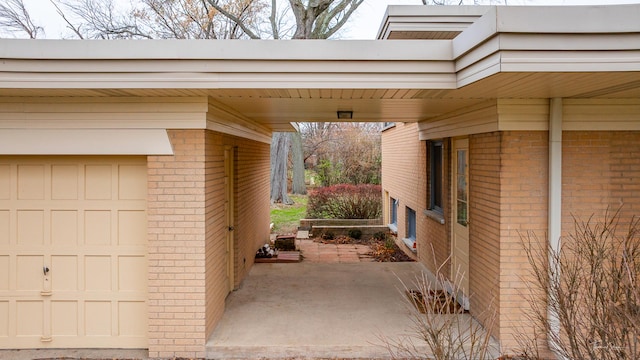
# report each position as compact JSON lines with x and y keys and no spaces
{"x":393,"y":225}
{"x":410,"y":239}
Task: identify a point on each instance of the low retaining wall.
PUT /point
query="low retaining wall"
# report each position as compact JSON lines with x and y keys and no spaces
{"x":367,"y":230}
{"x":308,"y":224}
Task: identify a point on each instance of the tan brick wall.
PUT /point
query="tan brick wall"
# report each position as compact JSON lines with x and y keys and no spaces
{"x":251,"y":215}
{"x":187,"y":229}
{"x":523,"y":207}
{"x":508,"y":197}
{"x":404,"y":177}
{"x":252,"y":209}
{"x":215,"y":244}
{"x":601,"y":171}
{"x":484,"y":226}
{"x":176,"y":227}
{"x":402,"y":171}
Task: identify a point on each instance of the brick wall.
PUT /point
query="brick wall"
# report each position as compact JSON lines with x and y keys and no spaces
{"x":176,"y":227}
{"x":404,"y":177}
{"x":187,"y":233}
{"x":601,"y":170}
{"x":523,"y":207}
{"x":217,"y":286}
{"x":403,"y":174}
{"x":484,"y":226}
{"x":252,"y":217}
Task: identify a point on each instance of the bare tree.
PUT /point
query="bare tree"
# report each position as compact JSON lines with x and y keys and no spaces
{"x":298,"y":184}
{"x":344,"y":152}
{"x":279,"y":150}
{"x":15,"y":18}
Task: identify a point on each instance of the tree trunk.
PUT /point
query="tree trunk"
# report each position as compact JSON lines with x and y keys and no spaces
{"x":279,"y":156}
{"x":297,"y":156}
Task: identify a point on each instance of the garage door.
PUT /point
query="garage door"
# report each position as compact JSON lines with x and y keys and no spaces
{"x":73,"y":265}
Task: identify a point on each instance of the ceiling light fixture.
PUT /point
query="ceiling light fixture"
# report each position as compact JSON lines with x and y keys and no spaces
{"x":345,"y":115}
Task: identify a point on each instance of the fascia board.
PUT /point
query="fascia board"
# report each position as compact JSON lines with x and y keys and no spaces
{"x":569,"y":19}
{"x":486,"y":49}
{"x":225,"y":66}
{"x":570,"y":61}
{"x":423,"y":18}
{"x":227,"y":81}
{"x":309,"y":50}
{"x":570,"y":42}
{"x":484,"y":28}
{"x":484,"y":68}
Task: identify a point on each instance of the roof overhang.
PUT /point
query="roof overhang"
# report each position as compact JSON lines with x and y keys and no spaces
{"x":517,"y":52}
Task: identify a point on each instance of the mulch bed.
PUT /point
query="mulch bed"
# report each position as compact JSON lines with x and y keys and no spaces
{"x":379,"y":251}
{"x":435,"y":302}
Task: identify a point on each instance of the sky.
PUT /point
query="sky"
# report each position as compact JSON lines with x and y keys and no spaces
{"x":364,"y":23}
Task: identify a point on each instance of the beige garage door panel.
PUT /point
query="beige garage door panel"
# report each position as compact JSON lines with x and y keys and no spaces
{"x":83,"y":219}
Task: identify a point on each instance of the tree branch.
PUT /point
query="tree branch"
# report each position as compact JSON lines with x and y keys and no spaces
{"x":328,"y":31}
{"x":70,"y":25}
{"x":272,"y":19}
{"x":235,"y":19}
{"x":15,"y":17}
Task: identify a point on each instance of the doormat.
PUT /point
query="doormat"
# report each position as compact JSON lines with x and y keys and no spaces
{"x":436,"y":302}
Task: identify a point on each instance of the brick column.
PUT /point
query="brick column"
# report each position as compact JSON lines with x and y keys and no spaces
{"x":176,"y":230}
{"x":523,"y":207}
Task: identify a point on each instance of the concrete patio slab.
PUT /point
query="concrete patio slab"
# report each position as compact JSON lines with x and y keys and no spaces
{"x":315,"y":310}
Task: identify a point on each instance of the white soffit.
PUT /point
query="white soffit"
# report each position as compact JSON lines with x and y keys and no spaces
{"x":85,"y":142}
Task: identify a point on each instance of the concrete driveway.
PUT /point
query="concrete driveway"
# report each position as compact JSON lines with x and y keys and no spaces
{"x":315,"y":310}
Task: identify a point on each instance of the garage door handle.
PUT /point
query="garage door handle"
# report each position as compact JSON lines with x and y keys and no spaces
{"x":46,"y":285}
{"x":231,"y":228}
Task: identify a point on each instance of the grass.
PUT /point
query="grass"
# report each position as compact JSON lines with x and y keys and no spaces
{"x":286,"y":218}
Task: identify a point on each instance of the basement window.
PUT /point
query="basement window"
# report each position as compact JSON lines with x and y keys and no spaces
{"x":410,"y":240}
{"x":393,"y":226}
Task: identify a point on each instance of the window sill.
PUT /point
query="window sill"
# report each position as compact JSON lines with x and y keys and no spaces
{"x":393,"y":228}
{"x":410,"y":243}
{"x":434,"y":215}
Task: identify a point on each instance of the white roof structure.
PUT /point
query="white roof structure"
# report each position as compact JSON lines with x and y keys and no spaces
{"x":427,"y":62}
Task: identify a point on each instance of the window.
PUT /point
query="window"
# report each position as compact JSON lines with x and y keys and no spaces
{"x":410,"y":240}
{"x":393,"y":226}
{"x":435,"y":176}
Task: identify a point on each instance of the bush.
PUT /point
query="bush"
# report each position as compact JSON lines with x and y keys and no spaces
{"x":355,"y":233}
{"x":591,"y":289}
{"x":345,"y":202}
{"x":328,"y":236}
{"x":380,"y":236}
{"x":441,"y":329}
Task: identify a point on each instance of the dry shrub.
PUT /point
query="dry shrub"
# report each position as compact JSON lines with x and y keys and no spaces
{"x":442,"y":329}
{"x":345,"y":202}
{"x":591,"y":289}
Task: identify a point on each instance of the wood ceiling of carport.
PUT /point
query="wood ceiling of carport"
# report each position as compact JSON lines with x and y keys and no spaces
{"x":276,"y":107}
